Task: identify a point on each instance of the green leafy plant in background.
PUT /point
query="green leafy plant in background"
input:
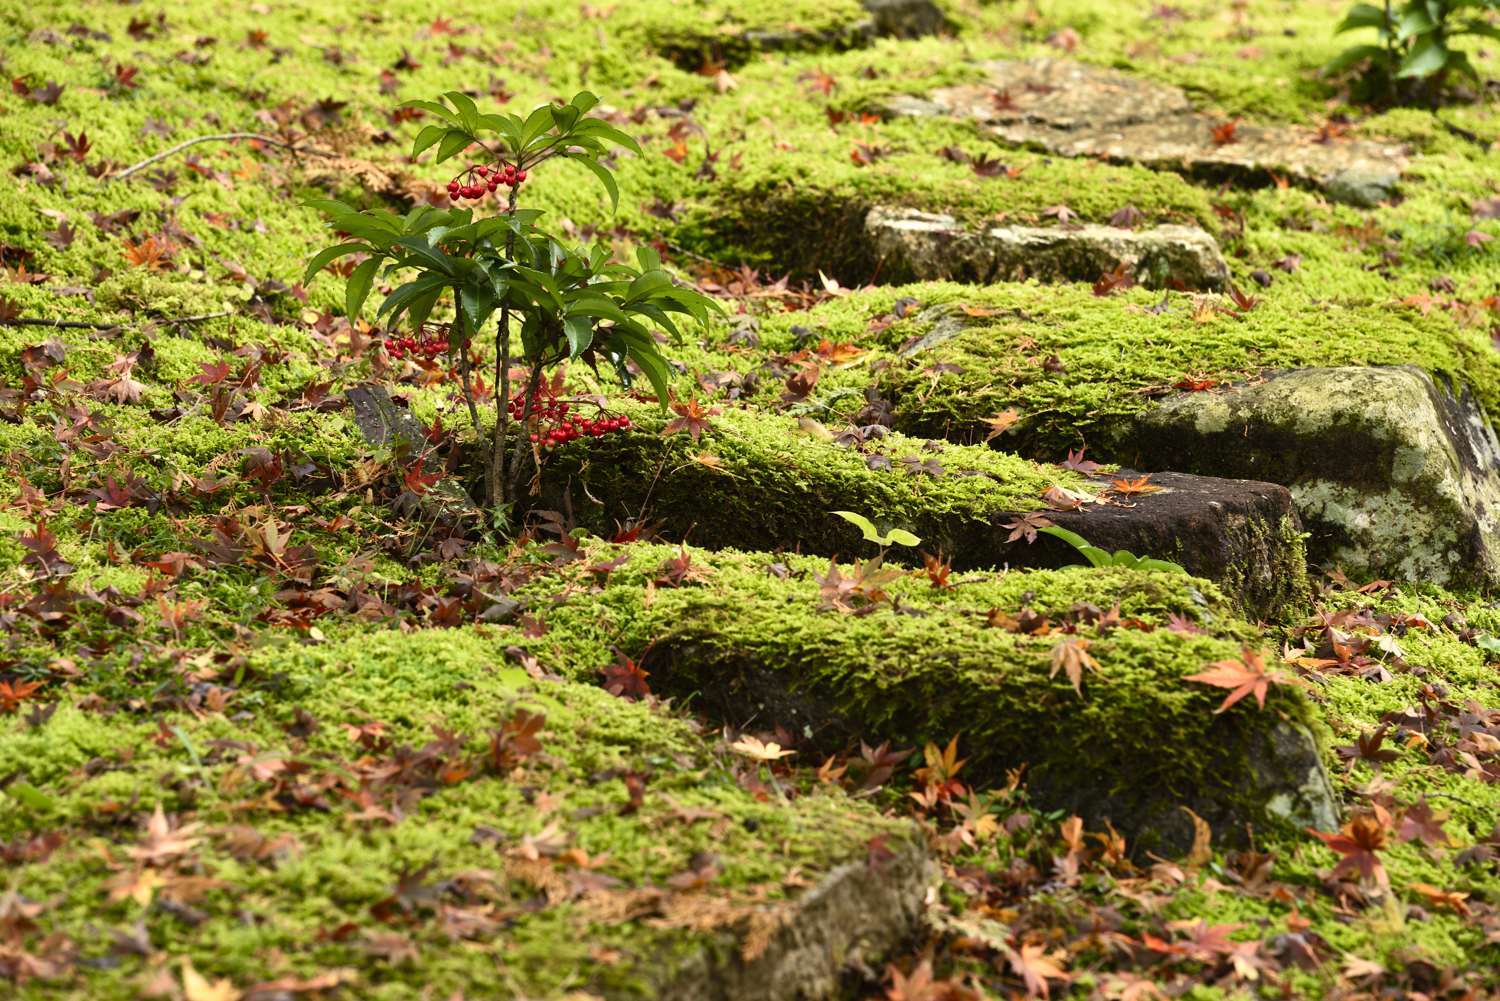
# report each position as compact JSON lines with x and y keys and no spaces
{"x":558,"y":302}
{"x":1103,"y":558}
{"x":1413,"y":56}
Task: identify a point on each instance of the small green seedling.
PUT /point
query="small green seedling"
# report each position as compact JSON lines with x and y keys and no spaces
{"x":892,"y":537}
{"x":1103,"y":558}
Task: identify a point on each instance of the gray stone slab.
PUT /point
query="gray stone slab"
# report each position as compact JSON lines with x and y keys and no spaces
{"x":1074,"y":109}
{"x":924,"y":246}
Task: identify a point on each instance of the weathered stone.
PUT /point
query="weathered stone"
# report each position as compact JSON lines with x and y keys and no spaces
{"x":381,"y":422}
{"x":1393,"y":475}
{"x":1132,"y":748}
{"x":906,"y":18}
{"x":1073,"y":109}
{"x":1241,"y":534}
{"x":851,"y":920}
{"x":912,"y":245}
{"x":692,"y":45}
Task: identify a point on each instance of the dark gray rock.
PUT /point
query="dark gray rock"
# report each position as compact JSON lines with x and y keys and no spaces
{"x":1241,"y":534}
{"x":906,"y":18}
{"x":924,"y":246}
{"x":1393,"y":474}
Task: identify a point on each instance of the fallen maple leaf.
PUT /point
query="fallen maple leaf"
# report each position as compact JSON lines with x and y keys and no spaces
{"x":1001,"y":422}
{"x":1357,"y":842}
{"x":691,"y":418}
{"x":1245,"y":676}
{"x":1071,"y":656}
{"x":1035,"y":966}
{"x":758,"y":750}
{"x":196,"y":987}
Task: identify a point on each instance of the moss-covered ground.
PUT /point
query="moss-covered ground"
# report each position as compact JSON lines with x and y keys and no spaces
{"x":274,"y":723}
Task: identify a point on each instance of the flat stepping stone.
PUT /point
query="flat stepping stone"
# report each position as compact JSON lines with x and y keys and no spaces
{"x":1074,"y":109}
{"x":924,"y":246}
{"x":1241,"y":534}
{"x":753,"y":636}
{"x":692,"y":43}
{"x":1393,"y":474}
{"x":756,"y":481}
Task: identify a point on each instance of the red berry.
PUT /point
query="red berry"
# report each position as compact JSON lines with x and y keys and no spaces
{"x":482,"y":171}
{"x":520,"y":175}
{"x":453,"y":187}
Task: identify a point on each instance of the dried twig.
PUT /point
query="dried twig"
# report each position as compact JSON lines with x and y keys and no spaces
{"x":27,"y":321}
{"x":223,"y":137}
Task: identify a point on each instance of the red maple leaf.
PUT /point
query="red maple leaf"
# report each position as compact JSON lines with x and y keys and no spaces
{"x":626,"y":679}
{"x":691,"y":418}
{"x":1357,"y":842}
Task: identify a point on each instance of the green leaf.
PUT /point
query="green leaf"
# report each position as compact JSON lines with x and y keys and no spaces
{"x":1425,"y":58}
{"x":401,"y":297}
{"x":1414,"y":21}
{"x":646,"y":284}
{"x":425,"y":138}
{"x":434,"y":108}
{"x":1098,"y":557}
{"x":328,"y":256}
{"x":539,"y":121}
{"x":902,"y":537}
{"x":595,"y":127}
{"x":428,"y":254}
{"x":454,"y":143}
{"x":580,"y":333}
{"x":30,"y":797}
{"x":605,"y":178}
{"x":865,"y":525}
{"x":358,"y":288}
{"x":584,"y":101}
{"x":1071,"y":538}
{"x":468,"y":111}
{"x":421,"y":306}
{"x":477,"y":304}
{"x":655,"y":369}
{"x":1162,"y":566}
{"x":1361,"y":15}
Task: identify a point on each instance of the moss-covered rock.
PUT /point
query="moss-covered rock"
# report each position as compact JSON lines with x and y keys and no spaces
{"x":746,"y":638}
{"x":755,"y":481}
{"x":1392,"y":475}
{"x":476,"y":856}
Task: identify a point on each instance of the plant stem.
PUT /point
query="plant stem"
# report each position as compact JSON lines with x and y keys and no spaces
{"x":222,"y":137}
{"x":499,"y":475}
{"x":465,"y":368}
{"x":533,"y":384}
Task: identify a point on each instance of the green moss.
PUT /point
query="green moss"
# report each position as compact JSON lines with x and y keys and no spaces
{"x":337,"y":869}
{"x":750,"y":642}
{"x":1111,"y":355}
{"x":757,"y":481}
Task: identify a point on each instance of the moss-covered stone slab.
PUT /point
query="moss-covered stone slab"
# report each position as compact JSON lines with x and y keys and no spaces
{"x":1074,"y":109}
{"x":1394,"y":474}
{"x":910,"y":245}
{"x":700,"y":34}
{"x":763,"y":482}
{"x":425,"y":857}
{"x":753,"y":636}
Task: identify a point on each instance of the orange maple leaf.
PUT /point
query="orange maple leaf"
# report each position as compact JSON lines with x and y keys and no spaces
{"x":1245,"y":676}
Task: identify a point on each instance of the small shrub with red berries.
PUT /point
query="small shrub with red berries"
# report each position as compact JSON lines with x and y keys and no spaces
{"x":454,"y":272}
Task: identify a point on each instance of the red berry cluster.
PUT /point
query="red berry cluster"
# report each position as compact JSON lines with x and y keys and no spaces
{"x":557,"y":423}
{"x":427,"y":346}
{"x":480,"y":180}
